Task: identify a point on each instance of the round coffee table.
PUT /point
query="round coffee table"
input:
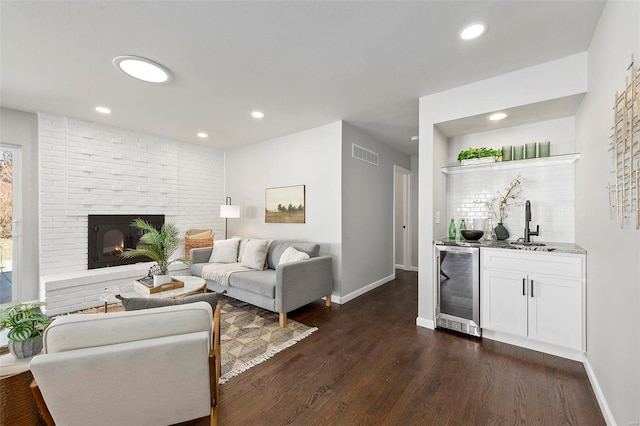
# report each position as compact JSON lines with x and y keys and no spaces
{"x":191,"y":285}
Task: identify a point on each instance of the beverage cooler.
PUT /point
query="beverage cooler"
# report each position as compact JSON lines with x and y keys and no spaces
{"x":458,"y":289}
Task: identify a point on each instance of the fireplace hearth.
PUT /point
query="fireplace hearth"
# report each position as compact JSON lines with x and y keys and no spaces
{"x":110,"y":235}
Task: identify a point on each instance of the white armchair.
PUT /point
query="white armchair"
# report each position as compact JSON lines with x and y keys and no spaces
{"x":148,"y":367}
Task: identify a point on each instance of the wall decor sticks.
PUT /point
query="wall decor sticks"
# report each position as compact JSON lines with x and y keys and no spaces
{"x":624,"y":196}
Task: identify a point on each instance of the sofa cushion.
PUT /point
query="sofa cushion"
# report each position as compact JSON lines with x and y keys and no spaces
{"x":255,"y":254}
{"x":138,"y":303}
{"x":225,"y":251}
{"x":292,"y":255}
{"x":261,"y":282}
{"x":279,"y":246}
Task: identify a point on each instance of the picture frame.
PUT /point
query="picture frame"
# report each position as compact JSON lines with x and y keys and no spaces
{"x":285,"y":204}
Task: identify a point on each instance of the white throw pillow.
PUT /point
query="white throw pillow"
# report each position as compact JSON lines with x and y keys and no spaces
{"x":292,"y":255}
{"x":255,"y":253}
{"x":242,"y":248}
{"x":225,"y":251}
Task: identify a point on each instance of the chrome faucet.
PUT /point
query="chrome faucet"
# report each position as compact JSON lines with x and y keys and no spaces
{"x":527,"y":218}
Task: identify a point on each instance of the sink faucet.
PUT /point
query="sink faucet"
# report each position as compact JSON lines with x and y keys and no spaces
{"x":527,"y":218}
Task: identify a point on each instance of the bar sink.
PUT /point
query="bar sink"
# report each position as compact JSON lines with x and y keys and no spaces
{"x":521,"y":245}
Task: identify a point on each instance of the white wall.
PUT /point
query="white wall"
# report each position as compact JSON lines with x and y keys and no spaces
{"x":551,"y":80}
{"x":311,"y":158}
{"x":613,"y":271}
{"x":367,"y":213}
{"x":413,"y":211}
{"x":19,"y":128}
{"x":88,"y":168}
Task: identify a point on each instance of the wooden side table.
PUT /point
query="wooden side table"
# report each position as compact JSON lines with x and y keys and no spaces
{"x":17,"y":406}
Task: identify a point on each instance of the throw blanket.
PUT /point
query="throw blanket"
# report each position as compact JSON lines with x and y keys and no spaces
{"x":220,"y":272}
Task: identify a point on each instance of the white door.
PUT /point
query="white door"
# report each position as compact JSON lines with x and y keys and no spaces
{"x":503,"y":302}
{"x":402,"y":251}
{"x":555,"y":311}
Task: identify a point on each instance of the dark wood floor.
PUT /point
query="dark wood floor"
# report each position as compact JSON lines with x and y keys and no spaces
{"x":369,"y":364}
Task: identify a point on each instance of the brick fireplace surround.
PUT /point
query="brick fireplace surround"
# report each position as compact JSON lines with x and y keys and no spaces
{"x":86,"y":168}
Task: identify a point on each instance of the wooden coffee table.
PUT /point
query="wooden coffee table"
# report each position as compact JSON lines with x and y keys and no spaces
{"x":191,"y":285}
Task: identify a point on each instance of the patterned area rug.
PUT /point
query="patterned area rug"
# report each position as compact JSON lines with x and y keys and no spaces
{"x":248,"y":335}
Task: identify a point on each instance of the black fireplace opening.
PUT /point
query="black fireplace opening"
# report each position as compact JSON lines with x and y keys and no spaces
{"x":111,"y":234}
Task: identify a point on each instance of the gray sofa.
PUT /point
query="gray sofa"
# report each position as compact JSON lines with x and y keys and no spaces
{"x":278,"y":288}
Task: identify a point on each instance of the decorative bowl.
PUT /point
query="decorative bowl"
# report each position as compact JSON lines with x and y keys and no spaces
{"x":472,"y":234}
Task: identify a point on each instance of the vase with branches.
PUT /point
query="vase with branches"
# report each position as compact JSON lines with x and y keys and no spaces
{"x":157,"y":245}
{"x":498,"y":206}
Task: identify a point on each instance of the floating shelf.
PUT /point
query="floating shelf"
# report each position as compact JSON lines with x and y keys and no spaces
{"x":515,"y":164}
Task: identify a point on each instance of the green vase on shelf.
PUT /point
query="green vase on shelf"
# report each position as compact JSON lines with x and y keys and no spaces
{"x":501,"y":232}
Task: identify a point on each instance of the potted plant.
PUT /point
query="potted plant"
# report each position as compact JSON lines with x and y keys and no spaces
{"x":26,"y":324}
{"x":156,"y":245}
{"x":473,"y":155}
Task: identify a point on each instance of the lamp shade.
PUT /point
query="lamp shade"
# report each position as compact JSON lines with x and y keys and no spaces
{"x":228,"y":211}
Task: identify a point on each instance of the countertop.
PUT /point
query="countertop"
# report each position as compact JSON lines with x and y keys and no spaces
{"x":549,"y":247}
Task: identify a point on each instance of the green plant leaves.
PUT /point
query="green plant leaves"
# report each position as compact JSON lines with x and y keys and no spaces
{"x":157,"y":245}
{"x":479,"y":153}
{"x":23,"y":320}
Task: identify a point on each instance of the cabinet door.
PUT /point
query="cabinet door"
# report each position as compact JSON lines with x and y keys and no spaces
{"x":555,"y":310}
{"x":503,"y":305}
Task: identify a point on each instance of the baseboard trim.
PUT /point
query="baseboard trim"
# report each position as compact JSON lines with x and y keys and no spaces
{"x":344,"y":299}
{"x":602,"y":401}
{"x":426,"y":323}
{"x":523,"y":342}
{"x":409,"y":268}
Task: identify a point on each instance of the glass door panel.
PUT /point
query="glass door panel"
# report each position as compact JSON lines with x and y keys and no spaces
{"x":7,"y":261}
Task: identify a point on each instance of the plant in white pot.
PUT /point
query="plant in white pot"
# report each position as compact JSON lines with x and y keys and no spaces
{"x":26,"y":324}
{"x":156,"y":245}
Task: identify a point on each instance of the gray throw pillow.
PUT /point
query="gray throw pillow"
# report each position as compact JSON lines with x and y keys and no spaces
{"x":137,"y":303}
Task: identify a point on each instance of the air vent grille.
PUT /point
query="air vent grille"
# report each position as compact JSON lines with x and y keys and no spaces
{"x":364,"y":154}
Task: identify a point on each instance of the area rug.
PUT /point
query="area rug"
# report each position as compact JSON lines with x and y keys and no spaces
{"x":248,"y":335}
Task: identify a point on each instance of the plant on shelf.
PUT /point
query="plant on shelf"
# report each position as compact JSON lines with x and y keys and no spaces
{"x":498,"y":206}
{"x":26,"y":324}
{"x":156,"y":245}
{"x":479,"y":153}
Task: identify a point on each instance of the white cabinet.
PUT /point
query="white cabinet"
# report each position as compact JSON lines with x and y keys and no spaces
{"x":533,"y":296}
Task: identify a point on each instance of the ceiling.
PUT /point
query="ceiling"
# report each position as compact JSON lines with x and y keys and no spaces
{"x":304,"y":64}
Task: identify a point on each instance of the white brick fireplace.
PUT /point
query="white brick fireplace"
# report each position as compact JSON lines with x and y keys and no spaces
{"x":87,"y":168}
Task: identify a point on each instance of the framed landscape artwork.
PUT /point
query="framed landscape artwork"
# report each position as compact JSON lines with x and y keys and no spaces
{"x":284,"y":204}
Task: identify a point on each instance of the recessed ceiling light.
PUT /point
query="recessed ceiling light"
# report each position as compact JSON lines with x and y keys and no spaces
{"x":143,"y":69}
{"x":257,"y":114}
{"x":103,"y":110}
{"x":472,"y":31}
{"x":497,"y":116}
{"x":203,"y":135}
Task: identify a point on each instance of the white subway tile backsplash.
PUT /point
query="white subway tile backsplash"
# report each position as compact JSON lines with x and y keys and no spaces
{"x":551,"y":190}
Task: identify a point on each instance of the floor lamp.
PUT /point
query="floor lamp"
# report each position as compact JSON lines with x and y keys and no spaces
{"x":228,"y":211}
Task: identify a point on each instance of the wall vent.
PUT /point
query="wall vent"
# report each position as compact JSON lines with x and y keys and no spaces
{"x":364,"y":154}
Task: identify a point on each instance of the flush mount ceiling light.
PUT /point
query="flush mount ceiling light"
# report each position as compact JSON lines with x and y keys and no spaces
{"x":103,"y":110}
{"x":472,"y":31}
{"x":202,"y":135}
{"x":497,"y":116}
{"x":142,"y":69}
{"x":257,"y":114}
